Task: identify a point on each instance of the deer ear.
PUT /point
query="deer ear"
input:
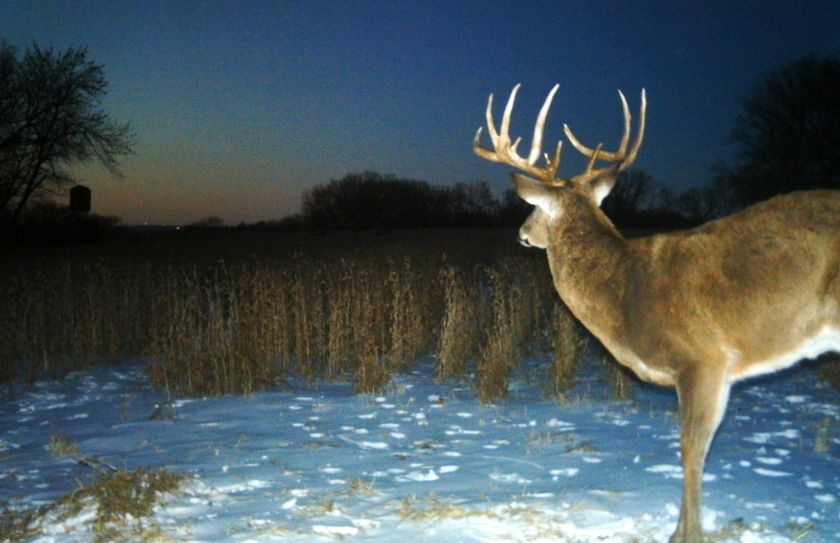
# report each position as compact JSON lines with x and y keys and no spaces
{"x":601,"y":187}
{"x":534,"y":192}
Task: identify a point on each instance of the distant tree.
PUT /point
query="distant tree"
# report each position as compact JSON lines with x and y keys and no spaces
{"x":632,"y":194}
{"x":471,"y":204}
{"x":371,"y":200}
{"x":208,"y":222}
{"x":699,"y":204}
{"x":51,"y":117}
{"x":632,"y":191}
{"x":725,"y":189}
{"x":788,"y":133}
{"x":51,"y":224}
{"x":513,"y":210}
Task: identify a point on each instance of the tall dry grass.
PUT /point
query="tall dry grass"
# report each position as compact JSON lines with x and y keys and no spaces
{"x":360,"y":309}
{"x":241,"y":328}
{"x":224,"y":330}
{"x":499,"y":352}
{"x":64,"y":317}
{"x":568,"y":344}
{"x":465,"y":312}
{"x":521,"y":300}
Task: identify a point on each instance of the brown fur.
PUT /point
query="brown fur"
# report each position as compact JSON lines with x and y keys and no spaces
{"x":699,"y":309}
{"x":757,"y":282}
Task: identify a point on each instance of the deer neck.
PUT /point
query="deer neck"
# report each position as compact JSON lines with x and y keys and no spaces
{"x":589,"y":260}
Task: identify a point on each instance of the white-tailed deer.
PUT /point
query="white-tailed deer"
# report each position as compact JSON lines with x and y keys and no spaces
{"x":700,"y":309}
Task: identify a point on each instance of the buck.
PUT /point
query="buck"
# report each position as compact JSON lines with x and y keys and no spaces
{"x":698,"y":310}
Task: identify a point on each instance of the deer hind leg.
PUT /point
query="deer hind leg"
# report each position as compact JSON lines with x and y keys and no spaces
{"x":703,"y":394}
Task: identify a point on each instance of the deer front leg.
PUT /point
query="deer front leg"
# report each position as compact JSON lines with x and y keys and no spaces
{"x":703,"y":394}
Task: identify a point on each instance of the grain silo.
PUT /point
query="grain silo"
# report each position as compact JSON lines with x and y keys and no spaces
{"x":80,"y":199}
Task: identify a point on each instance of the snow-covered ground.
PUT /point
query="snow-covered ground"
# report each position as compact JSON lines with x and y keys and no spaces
{"x":424,"y":461}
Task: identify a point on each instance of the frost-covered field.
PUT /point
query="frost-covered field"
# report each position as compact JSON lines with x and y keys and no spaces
{"x":425,"y":462}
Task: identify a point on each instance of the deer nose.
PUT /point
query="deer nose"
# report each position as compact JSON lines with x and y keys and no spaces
{"x":524,"y":241}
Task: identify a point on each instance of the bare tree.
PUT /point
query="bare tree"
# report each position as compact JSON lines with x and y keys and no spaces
{"x":211,"y":221}
{"x":699,"y":204}
{"x":51,"y":117}
{"x":633,"y":192}
{"x":471,"y":203}
{"x":788,"y":132}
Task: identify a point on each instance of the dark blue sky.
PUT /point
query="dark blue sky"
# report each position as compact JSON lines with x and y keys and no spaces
{"x":241,"y":106}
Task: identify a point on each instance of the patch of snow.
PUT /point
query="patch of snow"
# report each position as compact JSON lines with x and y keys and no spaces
{"x":770,"y":461}
{"x":427,"y":476}
{"x":339,"y":532}
{"x":772,"y":473}
{"x":509,"y":478}
{"x":319,"y":464}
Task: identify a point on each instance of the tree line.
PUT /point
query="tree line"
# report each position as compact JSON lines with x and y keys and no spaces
{"x":370,"y":200}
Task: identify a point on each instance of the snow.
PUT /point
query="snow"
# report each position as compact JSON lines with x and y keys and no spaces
{"x":424,"y":461}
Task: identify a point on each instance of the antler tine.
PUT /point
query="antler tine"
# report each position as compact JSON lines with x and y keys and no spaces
{"x":622,"y":147}
{"x":631,"y":156}
{"x":481,"y":151}
{"x":491,"y":127}
{"x":552,"y":165}
{"x":536,"y":141}
{"x":504,"y":133}
{"x":592,"y":159}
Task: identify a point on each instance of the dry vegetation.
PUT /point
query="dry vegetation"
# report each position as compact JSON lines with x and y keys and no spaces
{"x":828,"y":369}
{"x":568,"y":346}
{"x":237,"y":313}
{"x":115,"y":504}
{"x":120,"y":505}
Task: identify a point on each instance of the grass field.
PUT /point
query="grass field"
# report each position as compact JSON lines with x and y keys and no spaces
{"x":236,"y":312}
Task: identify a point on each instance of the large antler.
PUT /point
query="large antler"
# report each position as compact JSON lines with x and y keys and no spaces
{"x":621,"y":157}
{"x":504,"y":151}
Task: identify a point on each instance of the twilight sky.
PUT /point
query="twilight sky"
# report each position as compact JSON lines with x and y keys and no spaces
{"x":241,"y":106}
